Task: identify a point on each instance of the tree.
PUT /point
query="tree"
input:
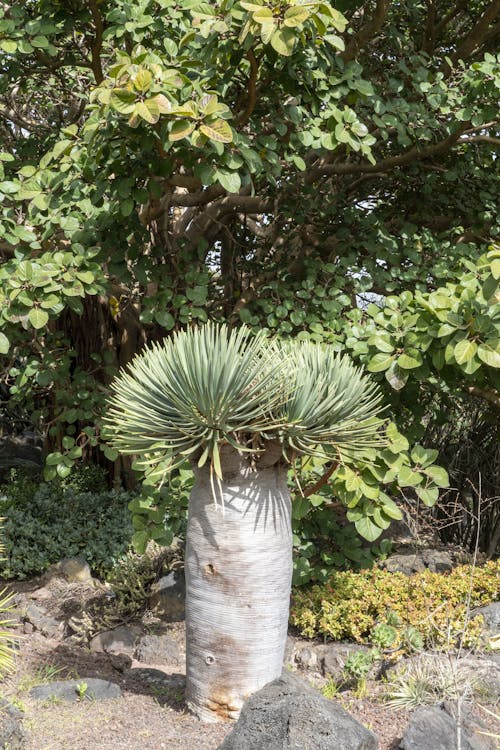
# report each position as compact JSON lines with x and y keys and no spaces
{"x":281,"y":165}
{"x":241,"y":408}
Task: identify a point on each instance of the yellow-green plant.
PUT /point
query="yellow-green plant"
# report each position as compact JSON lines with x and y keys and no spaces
{"x":350,"y":604}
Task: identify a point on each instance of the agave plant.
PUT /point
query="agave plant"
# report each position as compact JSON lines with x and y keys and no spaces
{"x":241,"y":407}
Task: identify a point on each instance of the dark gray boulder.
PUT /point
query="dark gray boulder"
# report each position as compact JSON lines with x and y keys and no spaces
{"x":85,"y":688}
{"x":12,"y":735}
{"x":436,"y":727}
{"x":287,"y":714}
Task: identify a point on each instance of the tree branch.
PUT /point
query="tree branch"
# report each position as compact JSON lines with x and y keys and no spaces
{"x":478,"y":34}
{"x":413,"y":154}
{"x":366,"y":32}
{"x":96,"y":47}
{"x":244,"y":117}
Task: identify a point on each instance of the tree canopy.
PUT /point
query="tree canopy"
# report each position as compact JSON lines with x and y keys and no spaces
{"x":319,"y":170}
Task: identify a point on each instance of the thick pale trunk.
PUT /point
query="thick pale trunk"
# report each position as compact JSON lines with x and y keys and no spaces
{"x":238,"y":575}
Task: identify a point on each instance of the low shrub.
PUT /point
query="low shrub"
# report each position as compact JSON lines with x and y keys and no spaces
{"x":350,"y":604}
{"x":47,"y":522}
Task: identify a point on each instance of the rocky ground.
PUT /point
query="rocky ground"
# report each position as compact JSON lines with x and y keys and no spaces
{"x":145,"y":660}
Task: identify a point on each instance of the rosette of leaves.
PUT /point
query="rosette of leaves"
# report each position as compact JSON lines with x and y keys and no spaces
{"x":209,"y":386}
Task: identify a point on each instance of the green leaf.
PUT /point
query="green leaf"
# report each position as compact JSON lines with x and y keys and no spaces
{"x":495,"y":268}
{"x":428,"y":496}
{"x":230,"y":181}
{"x":380,"y":362}
{"x":489,"y":352}
{"x":4,"y":343}
{"x":423,"y":456}
{"x":165,"y":319}
{"x":409,"y":478}
{"x":438,"y":475}
{"x":464,"y":351}
{"x":122,"y":101}
{"x":8,"y":45}
{"x":148,"y":110}
{"x":180,"y":129}
{"x":38,"y":317}
{"x":296,"y":15}
{"x":219,"y":131}
{"x":139,"y":541}
{"x":390,"y":508}
{"x":142,"y":80}
{"x":367,"y":528}
{"x":408,"y":361}
{"x":283,"y":41}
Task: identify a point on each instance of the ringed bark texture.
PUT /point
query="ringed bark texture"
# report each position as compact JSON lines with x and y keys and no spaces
{"x":238,"y":575}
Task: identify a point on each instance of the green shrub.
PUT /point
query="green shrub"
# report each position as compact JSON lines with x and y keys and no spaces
{"x":350,"y":604}
{"x":53,"y":520}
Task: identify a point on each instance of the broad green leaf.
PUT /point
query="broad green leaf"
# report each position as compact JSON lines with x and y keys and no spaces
{"x":165,"y":319}
{"x":489,"y":352}
{"x":296,"y":15}
{"x":423,"y":456}
{"x":180,"y":129}
{"x":230,"y":181}
{"x":4,"y":343}
{"x":283,"y":41}
{"x":38,"y":317}
{"x":367,"y":528}
{"x":164,"y":105}
{"x":142,"y":80}
{"x":380,"y":362}
{"x":139,"y":541}
{"x":122,"y":101}
{"x":409,"y":478}
{"x":408,"y":361}
{"x":428,"y":496}
{"x":396,"y":377}
{"x":464,"y":351}
{"x":495,"y":268}
{"x":438,"y":475}
{"x":219,"y":131}
{"x":148,"y":110}
{"x":263,"y":15}
{"x":8,"y":45}
{"x":390,"y":508}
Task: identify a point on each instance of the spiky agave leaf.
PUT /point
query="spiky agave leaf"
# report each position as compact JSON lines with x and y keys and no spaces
{"x":332,"y":406}
{"x":185,"y":397}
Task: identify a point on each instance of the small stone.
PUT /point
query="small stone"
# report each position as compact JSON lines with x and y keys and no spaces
{"x":121,"y":640}
{"x":334,"y":657}
{"x":12,"y":735}
{"x":306,"y":658}
{"x":404,"y":563}
{"x":120,"y":662}
{"x":159,"y":649}
{"x":75,"y":569}
{"x":41,"y":594}
{"x":168,"y":597}
{"x":49,"y":627}
{"x":85,"y":688}
{"x":28,"y":628}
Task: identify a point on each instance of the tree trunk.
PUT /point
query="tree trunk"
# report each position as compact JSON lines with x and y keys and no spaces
{"x":238,"y":576}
